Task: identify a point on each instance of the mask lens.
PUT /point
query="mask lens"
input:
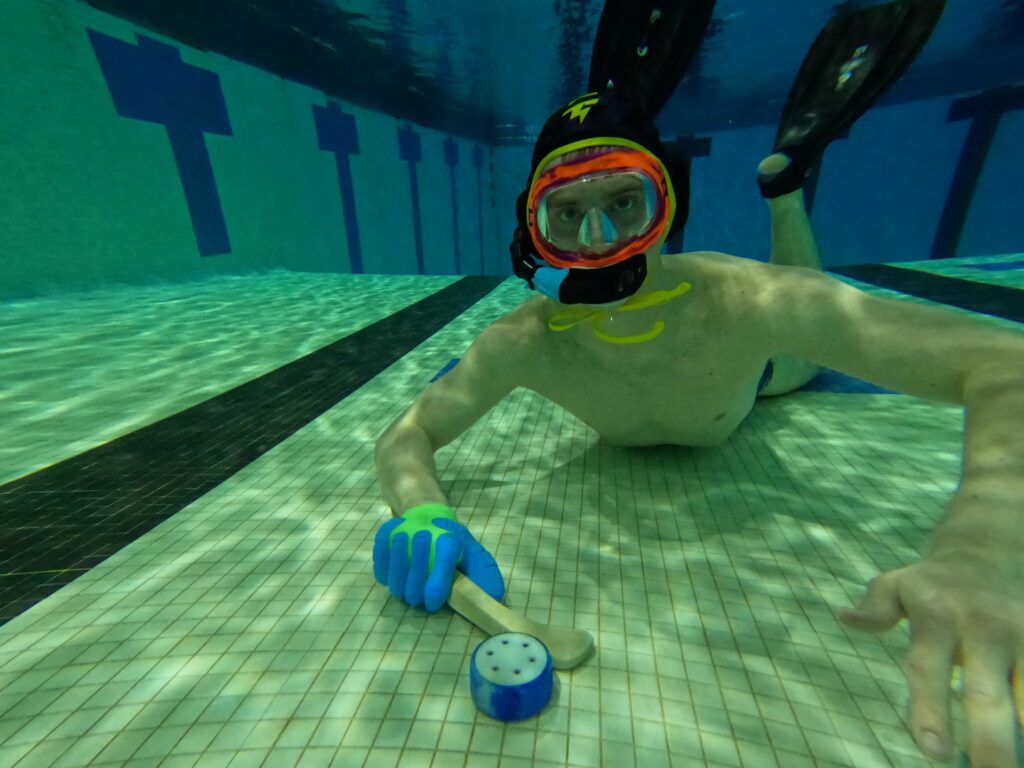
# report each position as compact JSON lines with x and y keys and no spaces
{"x":598,"y":213}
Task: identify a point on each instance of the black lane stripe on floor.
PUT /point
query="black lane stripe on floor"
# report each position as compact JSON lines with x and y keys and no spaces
{"x":59,"y":522}
{"x":985,"y":298}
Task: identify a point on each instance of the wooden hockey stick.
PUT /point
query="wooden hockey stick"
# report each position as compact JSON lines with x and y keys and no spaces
{"x":568,"y":646}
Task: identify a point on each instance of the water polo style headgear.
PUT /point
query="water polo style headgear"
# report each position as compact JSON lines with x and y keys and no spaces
{"x":597,"y":119}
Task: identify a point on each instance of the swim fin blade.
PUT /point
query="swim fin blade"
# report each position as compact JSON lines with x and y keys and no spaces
{"x":644,"y":47}
{"x":852,"y":62}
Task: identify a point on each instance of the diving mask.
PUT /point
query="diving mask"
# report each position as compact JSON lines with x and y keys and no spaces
{"x":600,"y":209}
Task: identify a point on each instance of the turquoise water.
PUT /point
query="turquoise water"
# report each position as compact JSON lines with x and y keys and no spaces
{"x":221,"y":609}
{"x":248,"y":625}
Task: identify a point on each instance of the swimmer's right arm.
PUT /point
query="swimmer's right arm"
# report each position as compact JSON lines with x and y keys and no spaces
{"x":405,"y":467}
{"x":404,"y":457}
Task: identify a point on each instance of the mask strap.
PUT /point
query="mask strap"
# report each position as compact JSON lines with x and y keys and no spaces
{"x":655,"y":298}
{"x":656,"y":330}
{"x":570,"y":318}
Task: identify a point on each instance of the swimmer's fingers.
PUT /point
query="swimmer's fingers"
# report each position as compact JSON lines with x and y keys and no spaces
{"x":480,"y":566}
{"x":441,"y":578}
{"x":418,"y":569}
{"x":398,"y":565}
{"x":382,"y":549}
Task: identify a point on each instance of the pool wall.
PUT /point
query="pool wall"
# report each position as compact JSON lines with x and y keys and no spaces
{"x":885,"y":193}
{"x":130,"y":158}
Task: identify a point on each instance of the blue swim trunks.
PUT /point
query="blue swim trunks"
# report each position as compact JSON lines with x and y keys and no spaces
{"x":766,"y":377}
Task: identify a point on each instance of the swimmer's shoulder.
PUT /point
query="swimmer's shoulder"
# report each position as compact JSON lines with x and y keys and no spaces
{"x":707,"y":263}
{"x":521,"y":331}
{"x":519,"y":335}
{"x":526,"y":321}
{"x":728,"y":277}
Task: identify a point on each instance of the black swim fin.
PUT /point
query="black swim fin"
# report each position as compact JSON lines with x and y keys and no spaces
{"x":643,"y":47}
{"x":851,"y":63}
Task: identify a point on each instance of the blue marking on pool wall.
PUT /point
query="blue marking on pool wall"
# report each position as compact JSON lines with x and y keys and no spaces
{"x":150,"y":82}
{"x":478,"y":161}
{"x":685,"y":148}
{"x":451,"y":159}
{"x":336,"y":132}
{"x":410,"y":151}
{"x":984,"y":110}
{"x":811,"y":181}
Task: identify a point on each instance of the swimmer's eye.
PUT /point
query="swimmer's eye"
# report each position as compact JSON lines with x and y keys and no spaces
{"x":624,"y":203}
{"x":568,"y":214}
{"x":629,"y":203}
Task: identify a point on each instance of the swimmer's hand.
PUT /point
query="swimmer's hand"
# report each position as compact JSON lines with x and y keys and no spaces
{"x":415,"y":556}
{"x":964,"y":601}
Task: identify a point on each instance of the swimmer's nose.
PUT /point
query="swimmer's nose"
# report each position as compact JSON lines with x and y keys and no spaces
{"x":601,"y":233}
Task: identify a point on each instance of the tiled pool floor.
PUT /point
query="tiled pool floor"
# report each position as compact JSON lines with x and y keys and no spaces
{"x":247,"y":628}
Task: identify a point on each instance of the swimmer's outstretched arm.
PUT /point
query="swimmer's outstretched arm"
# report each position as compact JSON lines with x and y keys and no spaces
{"x":407,"y":473}
{"x":404,"y":454}
{"x":965,"y":598}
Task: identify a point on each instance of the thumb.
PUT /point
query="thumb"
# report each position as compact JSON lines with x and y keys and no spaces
{"x":479,"y":565}
{"x":880,"y":609}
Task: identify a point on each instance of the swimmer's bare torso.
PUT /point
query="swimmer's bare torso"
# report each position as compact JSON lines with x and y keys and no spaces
{"x":692,"y":385}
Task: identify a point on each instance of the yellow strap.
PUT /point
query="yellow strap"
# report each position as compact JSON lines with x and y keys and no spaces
{"x":569,"y":318}
{"x":656,"y":330}
{"x":656,"y":297}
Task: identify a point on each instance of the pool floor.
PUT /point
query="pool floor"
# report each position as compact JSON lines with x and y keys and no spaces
{"x":247,"y":629}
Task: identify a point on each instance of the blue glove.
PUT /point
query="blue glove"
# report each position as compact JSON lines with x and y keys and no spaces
{"x":415,"y":556}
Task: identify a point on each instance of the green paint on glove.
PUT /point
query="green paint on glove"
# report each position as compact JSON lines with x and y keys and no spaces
{"x":421,"y":518}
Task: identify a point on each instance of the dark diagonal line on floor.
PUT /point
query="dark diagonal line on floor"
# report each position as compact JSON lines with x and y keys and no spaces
{"x":58,"y":522}
{"x":984,"y":298}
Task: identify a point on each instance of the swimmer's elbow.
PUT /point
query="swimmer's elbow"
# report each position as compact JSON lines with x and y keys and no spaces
{"x":446,"y":409}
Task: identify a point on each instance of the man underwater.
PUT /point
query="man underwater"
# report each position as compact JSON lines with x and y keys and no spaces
{"x":651,"y":348}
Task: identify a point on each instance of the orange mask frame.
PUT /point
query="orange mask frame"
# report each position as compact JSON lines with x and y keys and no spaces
{"x":628,"y":158}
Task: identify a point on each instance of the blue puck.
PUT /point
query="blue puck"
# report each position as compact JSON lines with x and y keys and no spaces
{"x":511,"y":676}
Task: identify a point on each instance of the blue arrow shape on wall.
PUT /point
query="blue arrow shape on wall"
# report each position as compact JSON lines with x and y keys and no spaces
{"x":409,"y":150}
{"x":150,"y":82}
{"x":336,"y":132}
